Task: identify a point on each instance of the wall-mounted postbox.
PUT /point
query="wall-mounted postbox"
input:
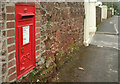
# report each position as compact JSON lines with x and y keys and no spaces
{"x":25,"y":38}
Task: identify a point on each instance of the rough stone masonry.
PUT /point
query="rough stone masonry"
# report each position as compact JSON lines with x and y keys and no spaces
{"x":59,"y":27}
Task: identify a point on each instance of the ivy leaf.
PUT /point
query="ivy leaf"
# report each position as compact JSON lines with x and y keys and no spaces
{"x":33,"y":72}
{"x":48,"y":22}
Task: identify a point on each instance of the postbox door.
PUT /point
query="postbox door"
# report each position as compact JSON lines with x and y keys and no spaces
{"x":25,"y":48}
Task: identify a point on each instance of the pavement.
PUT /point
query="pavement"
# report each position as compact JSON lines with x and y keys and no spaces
{"x":108,"y":34}
{"x":99,"y":61}
{"x":109,"y":26}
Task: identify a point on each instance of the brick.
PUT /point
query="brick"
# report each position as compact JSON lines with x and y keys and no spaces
{"x":37,"y":36}
{"x":37,"y":24}
{"x":10,"y":17}
{"x":38,"y":59}
{"x":10,"y":24}
{"x":38,"y":18}
{"x":37,"y":12}
{"x":12,"y":63}
{"x":10,"y":9}
{"x":37,"y":5}
{"x":11,"y":70}
{"x":11,"y":56}
{"x":10,"y":40}
{"x":11,"y":48}
{"x":37,"y":47}
{"x":12,"y":77}
{"x":37,"y":30}
{"x":10,"y":33}
{"x":37,"y":53}
{"x":37,"y":42}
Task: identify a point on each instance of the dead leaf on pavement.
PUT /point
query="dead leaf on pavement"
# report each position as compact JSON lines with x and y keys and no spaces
{"x":80,"y":68}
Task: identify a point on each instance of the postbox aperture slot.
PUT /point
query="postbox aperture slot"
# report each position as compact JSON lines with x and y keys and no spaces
{"x":25,"y":15}
{"x":28,"y":16}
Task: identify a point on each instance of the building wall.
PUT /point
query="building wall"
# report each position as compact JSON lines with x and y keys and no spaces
{"x":59,"y":27}
{"x":98,"y":15}
{"x":104,"y":12}
{"x":90,"y":22}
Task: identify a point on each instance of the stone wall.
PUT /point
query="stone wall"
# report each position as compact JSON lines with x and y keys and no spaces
{"x":0,"y":43}
{"x":59,"y":28}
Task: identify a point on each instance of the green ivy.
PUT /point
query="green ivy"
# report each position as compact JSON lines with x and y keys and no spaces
{"x":48,"y":22}
{"x":33,"y":72}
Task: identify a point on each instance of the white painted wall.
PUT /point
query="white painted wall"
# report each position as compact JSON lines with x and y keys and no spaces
{"x":104,"y":12}
{"x":112,"y":11}
{"x":86,"y":24}
{"x":90,"y":21}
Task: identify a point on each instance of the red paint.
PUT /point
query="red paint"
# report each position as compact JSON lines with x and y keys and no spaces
{"x":25,"y":53}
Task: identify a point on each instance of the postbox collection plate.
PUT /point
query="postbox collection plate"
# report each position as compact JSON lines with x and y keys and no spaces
{"x":26,"y":35}
{"x":25,"y":38}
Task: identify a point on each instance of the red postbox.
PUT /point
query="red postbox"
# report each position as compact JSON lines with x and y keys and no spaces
{"x":25,"y":38}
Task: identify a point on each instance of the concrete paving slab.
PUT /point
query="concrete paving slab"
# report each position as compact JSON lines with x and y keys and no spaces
{"x":106,"y":40}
